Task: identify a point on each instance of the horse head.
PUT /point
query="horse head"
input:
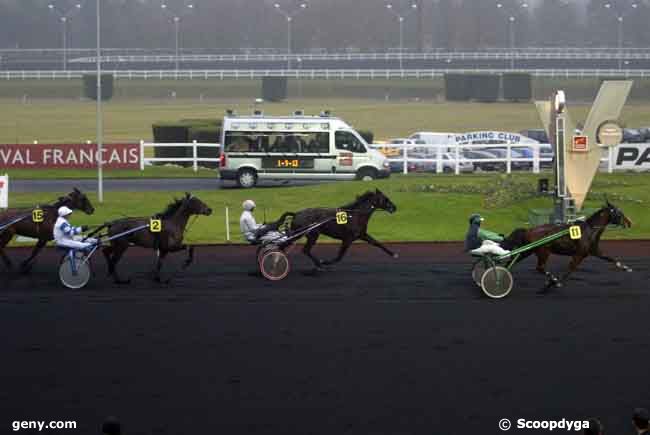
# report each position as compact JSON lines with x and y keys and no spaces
{"x":195,"y":206}
{"x":382,"y":202}
{"x":616,"y":215}
{"x":77,"y":200}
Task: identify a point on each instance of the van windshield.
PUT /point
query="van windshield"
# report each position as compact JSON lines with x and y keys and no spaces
{"x":347,"y":141}
{"x":276,"y":142}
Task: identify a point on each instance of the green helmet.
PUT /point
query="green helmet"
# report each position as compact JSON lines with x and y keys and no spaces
{"x":475,"y":219}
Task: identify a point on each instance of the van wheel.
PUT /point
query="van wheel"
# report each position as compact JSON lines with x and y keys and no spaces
{"x":246,"y":178}
{"x":366,"y":174}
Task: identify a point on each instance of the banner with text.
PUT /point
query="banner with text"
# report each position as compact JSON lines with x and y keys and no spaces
{"x":69,"y":156}
{"x":632,"y":156}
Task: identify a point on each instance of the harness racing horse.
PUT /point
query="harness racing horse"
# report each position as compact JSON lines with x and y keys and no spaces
{"x":43,"y":231}
{"x":591,"y":230}
{"x":174,"y":225}
{"x":358,"y":212}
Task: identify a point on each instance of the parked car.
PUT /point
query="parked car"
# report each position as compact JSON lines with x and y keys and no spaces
{"x":632,"y":135}
{"x":546,"y":152}
{"x":502,"y":153}
{"x":448,"y":162}
{"x":394,"y":152}
{"x":538,"y":134}
{"x":645,"y":132}
{"x":475,"y":154}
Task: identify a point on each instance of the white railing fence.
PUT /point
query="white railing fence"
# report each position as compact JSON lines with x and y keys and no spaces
{"x":452,"y":158}
{"x":195,"y":158}
{"x":313,"y":74}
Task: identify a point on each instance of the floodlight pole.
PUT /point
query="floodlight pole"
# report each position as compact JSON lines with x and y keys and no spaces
{"x":176,"y":19}
{"x":64,"y":16}
{"x":100,"y":174}
{"x":620,"y":16}
{"x":289,"y":16}
{"x":511,"y":30}
{"x":401,"y":17}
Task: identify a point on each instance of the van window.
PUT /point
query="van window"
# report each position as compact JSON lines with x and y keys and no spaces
{"x":347,"y":141}
{"x":276,"y":142}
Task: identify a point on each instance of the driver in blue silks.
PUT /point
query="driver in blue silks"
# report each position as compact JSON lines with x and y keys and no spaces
{"x":479,"y":241}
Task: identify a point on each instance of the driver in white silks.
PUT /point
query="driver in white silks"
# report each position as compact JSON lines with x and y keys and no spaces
{"x":479,"y":241}
{"x":254,"y":232}
{"x":67,"y":236}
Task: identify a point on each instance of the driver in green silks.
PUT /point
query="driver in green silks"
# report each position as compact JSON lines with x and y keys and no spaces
{"x":480,"y":241}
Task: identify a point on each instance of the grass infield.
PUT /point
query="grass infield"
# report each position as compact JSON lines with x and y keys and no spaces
{"x":430,"y":207}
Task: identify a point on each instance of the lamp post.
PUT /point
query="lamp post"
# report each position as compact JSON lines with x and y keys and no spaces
{"x":401,"y":17}
{"x":512,"y":18}
{"x":620,"y":16}
{"x":176,"y":19}
{"x":289,"y":15}
{"x":100,"y":174}
{"x":64,"y":16}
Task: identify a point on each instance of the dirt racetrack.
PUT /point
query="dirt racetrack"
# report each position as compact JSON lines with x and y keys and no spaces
{"x":375,"y":346}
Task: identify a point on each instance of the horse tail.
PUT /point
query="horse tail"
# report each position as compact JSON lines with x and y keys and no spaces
{"x":516,"y":239}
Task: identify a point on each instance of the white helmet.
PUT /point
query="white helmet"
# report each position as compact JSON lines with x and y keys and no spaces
{"x":64,"y":211}
{"x":248,"y":205}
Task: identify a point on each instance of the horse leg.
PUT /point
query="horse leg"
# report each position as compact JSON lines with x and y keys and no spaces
{"x":27,"y":265}
{"x":116,"y":253}
{"x":599,"y":254}
{"x":311,"y":241}
{"x":4,"y":240}
{"x":190,"y":256}
{"x":573,"y":265}
{"x":108,"y":252}
{"x":542,"y":258}
{"x":368,"y":238}
{"x":342,"y":250}
{"x":160,"y":256}
{"x":614,"y":261}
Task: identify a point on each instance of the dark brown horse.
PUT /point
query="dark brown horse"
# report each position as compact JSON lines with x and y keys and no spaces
{"x":358,"y":213}
{"x":43,"y":231}
{"x":588,"y":244}
{"x":170,"y":239}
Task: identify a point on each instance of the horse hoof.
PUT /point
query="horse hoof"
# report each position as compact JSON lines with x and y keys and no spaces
{"x":558,"y":285}
{"x":628,"y":269}
{"x":396,"y":256}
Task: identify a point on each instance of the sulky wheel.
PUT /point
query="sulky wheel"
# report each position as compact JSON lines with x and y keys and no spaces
{"x":477,"y":271}
{"x":274,"y":265}
{"x":496,"y":282}
{"x":74,"y":277}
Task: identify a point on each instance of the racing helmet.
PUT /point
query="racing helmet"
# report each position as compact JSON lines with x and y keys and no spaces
{"x":64,"y":211}
{"x":248,"y":205}
{"x":475,"y":219}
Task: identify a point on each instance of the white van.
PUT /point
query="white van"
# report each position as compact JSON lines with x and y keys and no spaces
{"x":435,"y":138}
{"x":295,"y":148}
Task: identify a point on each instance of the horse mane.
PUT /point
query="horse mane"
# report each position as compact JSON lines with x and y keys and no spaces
{"x":590,"y":220}
{"x":172,"y":208}
{"x":360,"y":200}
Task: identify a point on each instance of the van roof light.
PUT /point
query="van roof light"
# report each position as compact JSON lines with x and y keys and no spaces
{"x":299,"y":113}
{"x":230,"y":112}
{"x":258,"y":112}
{"x":325,"y":113}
